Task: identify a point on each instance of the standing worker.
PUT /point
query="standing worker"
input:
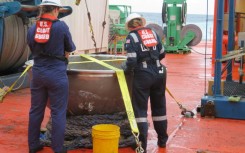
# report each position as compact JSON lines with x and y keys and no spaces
{"x":50,"y":42}
{"x":144,"y":53}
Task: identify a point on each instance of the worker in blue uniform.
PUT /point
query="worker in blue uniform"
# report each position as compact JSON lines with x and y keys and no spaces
{"x":50,"y":42}
{"x":144,"y":53}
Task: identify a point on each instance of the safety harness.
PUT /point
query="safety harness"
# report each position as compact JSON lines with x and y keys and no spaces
{"x":42,"y":35}
{"x":147,"y":42}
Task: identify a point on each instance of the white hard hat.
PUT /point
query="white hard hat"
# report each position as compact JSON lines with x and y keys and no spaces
{"x":51,"y":2}
{"x":134,"y":16}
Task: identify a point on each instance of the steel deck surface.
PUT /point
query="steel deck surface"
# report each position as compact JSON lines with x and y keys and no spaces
{"x":186,"y":81}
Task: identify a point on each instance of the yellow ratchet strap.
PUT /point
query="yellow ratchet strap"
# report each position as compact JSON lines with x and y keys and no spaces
{"x":93,"y":61}
{"x":124,"y":91}
{"x":3,"y":94}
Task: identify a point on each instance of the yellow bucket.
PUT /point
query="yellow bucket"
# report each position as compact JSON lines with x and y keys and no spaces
{"x":105,"y":138}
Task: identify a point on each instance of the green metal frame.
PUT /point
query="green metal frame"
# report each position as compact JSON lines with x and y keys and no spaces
{"x":175,"y":1}
{"x":174,"y":18}
{"x":119,"y":29}
{"x":190,"y":35}
{"x":125,"y":10}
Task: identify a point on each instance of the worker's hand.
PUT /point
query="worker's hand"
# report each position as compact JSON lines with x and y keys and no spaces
{"x":67,"y":54}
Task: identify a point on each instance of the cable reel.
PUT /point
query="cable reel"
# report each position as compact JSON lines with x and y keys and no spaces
{"x":157,"y":29}
{"x":194,"y":28}
{"x":14,"y":49}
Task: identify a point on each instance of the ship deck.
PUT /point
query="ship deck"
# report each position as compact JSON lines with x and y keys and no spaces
{"x":185,"y":80}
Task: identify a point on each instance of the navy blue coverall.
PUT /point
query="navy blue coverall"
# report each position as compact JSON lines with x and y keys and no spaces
{"x":49,"y":81}
{"x":149,"y":81}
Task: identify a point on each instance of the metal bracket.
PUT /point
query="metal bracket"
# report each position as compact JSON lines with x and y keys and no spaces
{"x":209,"y":109}
{"x":232,"y":54}
{"x":175,"y":1}
{"x":187,"y":38}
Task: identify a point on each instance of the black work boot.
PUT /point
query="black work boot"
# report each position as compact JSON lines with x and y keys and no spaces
{"x":161,"y":143}
{"x":35,"y":150}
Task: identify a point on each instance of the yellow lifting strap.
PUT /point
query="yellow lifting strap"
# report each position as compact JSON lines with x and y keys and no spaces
{"x":126,"y":100}
{"x":124,"y":91}
{"x":3,"y":93}
{"x":93,"y":61}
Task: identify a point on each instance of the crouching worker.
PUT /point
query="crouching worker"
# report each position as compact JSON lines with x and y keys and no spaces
{"x":144,"y":53}
{"x":50,"y":42}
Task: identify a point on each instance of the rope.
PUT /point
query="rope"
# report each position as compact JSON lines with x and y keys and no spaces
{"x":184,"y":111}
{"x":138,"y":149}
{"x":78,"y":130}
{"x":103,"y":25}
{"x":205,"y":69}
{"x":226,"y":66}
{"x":6,"y":90}
{"x":91,"y":26}
{"x":180,"y":105}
